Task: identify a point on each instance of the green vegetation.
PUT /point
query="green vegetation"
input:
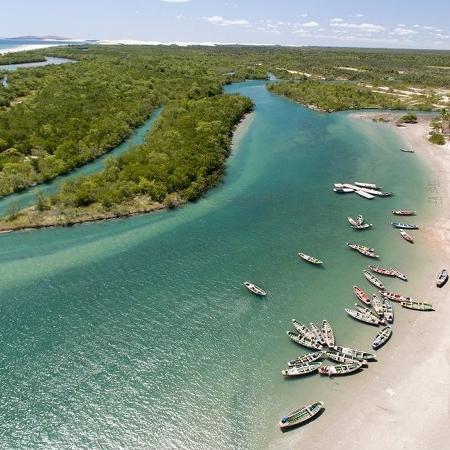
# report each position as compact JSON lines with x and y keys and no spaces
{"x":20,"y":58}
{"x":334,"y":96}
{"x":409,"y":118}
{"x":437,"y":138}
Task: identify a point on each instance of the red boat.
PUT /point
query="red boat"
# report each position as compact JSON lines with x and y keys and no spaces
{"x":395,"y":297}
{"x":404,"y":212}
{"x":361,"y":295}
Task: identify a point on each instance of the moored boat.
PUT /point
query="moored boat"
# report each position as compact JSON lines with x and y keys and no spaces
{"x":373,"y":279}
{"x":407,"y":150}
{"x":418,"y":306}
{"x":361,"y":193}
{"x":405,"y":226}
{"x":301,"y":415}
{"x":400,"y":275}
{"x":377,"y":305}
{"x":343,"y":190}
{"x":367,"y":185}
{"x":442,"y":278}
{"x":358,"y":354}
{"x":381,"y":271}
{"x":406,"y":236}
{"x":366,"y":251}
{"x":342,"y":369}
{"x":328,"y":334}
{"x":361,"y":295}
{"x":304,"y":369}
{"x":404,"y":212}
{"x":382,"y":337}
{"x":317,"y":333}
{"x":366,"y":318}
{"x":302,"y":340}
{"x":310,"y":259}
{"x":369,"y":312}
{"x":303,"y":330}
{"x":388,"y":311}
{"x":343,"y":359}
{"x":394,"y":297}
{"x":308,"y":358}
{"x":255,"y":289}
{"x":364,"y":226}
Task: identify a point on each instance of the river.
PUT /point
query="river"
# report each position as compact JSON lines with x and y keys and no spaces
{"x":137,"y":333}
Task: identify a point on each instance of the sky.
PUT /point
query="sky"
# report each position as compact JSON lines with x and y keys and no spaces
{"x":381,"y":23}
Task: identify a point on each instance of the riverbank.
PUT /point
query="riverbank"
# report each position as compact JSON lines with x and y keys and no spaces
{"x":401,"y":402}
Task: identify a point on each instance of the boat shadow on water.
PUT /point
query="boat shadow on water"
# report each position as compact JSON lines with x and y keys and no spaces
{"x":306,"y":422}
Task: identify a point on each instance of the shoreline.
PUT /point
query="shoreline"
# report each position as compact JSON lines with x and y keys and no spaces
{"x":402,"y":400}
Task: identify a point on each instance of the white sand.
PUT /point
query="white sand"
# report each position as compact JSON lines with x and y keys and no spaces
{"x":22,"y":48}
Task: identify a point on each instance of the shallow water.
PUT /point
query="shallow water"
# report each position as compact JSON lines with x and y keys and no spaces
{"x":137,"y":333}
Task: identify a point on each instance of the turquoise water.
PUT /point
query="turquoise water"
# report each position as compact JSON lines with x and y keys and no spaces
{"x":137,"y":333}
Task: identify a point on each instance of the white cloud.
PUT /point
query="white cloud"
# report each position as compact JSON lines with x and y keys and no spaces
{"x":303,"y":15}
{"x":428,"y":27}
{"x":337,"y":20}
{"x":359,"y":15}
{"x":401,"y":25}
{"x":312,"y":24}
{"x":180,"y":17}
{"x":175,"y":1}
{"x":219,"y":20}
{"x":401,"y":31}
{"x":363,"y":27}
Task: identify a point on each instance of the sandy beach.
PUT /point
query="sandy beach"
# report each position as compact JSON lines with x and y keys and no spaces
{"x":402,"y":401}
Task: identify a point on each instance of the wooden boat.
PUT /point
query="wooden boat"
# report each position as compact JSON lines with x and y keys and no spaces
{"x":366,"y":251}
{"x":352,"y":221}
{"x":389,"y":272}
{"x":343,"y":359}
{"x":403,"y":212}
{"x":394,"y":297}
{"x":342,"y":369}
{"x":401,"y":275}
{"x":302,"y":340}
{"x":317,"y":333}
{"x":310,"y":259}
{"x":303,"y":330}
{"x":388,"y":311}
{"x":382,"y":337}
{"x":404,"y":226}
{"x":373,"y":279}
{"x":366,"y":185}
{"x":361,"y":295}
{"x":406,"y":236}
{"x":343,"y":190}
{"x":386,"y":194}
{"x":418,"y":306}
{"x":442,"y":278}
{"x":377,"y":305}
{"x":305,"y":359}
{"x":304,"y":369}
{"x":366,"y":318}
{"x":358,"y":354}
{"x":301,"y":415}
{"x":364,"y":226}
{"x":361,"y":193}
{"x":369,"y":312}
{"x":328,"y":334}
{"x":254,"y":289}
{"x":406,"y":150}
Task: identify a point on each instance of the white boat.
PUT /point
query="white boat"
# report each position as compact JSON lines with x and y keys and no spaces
{"x":343,"y":190}
{"x":304,"y":369}
{"x":254,"y":289}
{"x":374,"y":280}
{"x":366,"y":318}
{"x":382,"y":337}
{"x":317,"y":332}
{"x":303,"y":329}
{"x":302,"y":340}
{"x":366,"y":185}
{"x":369,"y":312}
{"x":364,"y":194}
{"x":308,"y":358}
{"x":377,"y":305}
{"x":388,"y":311}
{"x":328,"y":334}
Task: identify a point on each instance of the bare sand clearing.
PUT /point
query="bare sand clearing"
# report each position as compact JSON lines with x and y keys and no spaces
{"x":402,"y":402}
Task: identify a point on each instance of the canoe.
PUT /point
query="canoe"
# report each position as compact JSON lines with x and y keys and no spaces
{"x":342,"y":369}
{"x":400,"y":275}
{"x":404,"y":212}
{"x":358,"y":354}
{"x":308,"y":358}
{"x":364,"y":226}
{"x":382,"y":337}
{"x":328,"y":334}
{"x":352,"y":221}
{"x":343,"y":359}
{"x":377,"y":305}
{"x":388,"y":311}
{"x":407,"y":150}
{"x":442,"y":278}
{"x":343,"y":190}
{"x":366,"y":318}
{"x":406,"y":236}
{"x":254,"y":289}
{"x":310,"y":259}
{"x":369,"y":312}
{"x":361,"y":193}
{"x":303,"y":330}
{"x":381,"y":271}
{"x":418,"y":306}
{"x":361,"y":295}
{"x":406,"y":226}
{"x":317,"y":332}
{"x":301,"y":370}
{"x":374,"y":280}
{"x":394,"y":297}
{"x":366,"y":185}
{"x":366,"y":251}
{"x":302,"y":340}
{"x":301,"y":415}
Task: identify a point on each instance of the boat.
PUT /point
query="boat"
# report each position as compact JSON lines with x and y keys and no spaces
{"x":401,"y":275}
{"x":377,"y":305}
{"x":343,"y":190}
{"x":364,"y":226}
{"x":366,"y":318}
{"x":387,"y":272}
{"x":395,"y":297}
{"x":405,"y":226}
{"x":366,"y":185}
{"x":364,"y":194}
{"x":328,"y":334}
{"x":363,"y":250}
{"x":358,"y":354}
{"x":352,"y":221}
{"x":302,"y":340}
{"x":255,"y":289}
{"x":374,"y":192}
{"x":403,"y":212}
{"x":418,"y":306}
{"x":308,"y":358}
{"x":442,"y":278}
{"x":310,"y":259}
{"x":369,"y":312}
{"x":342,"y":369}
{"x":406,"y":236}
{"x":303,"y":329}
{"x":343,"y":359}
{"x":317,"y":332}
{"x":406,"y":150}
{"x":301,"y":415}
{"x":361,"y":295}
{"x":386,"y":194}
{"x":304,"y":369}
{"x":382,"y":337}
{"x":388,"y":311}
{"x":374,"y":280}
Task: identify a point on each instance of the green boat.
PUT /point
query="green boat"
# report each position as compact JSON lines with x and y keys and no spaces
{"x":310,"y":259}
{"x":418,"y":306}
{"x":301,"y":370}
{"x":301,"y":415}
{"x":342,"y":369}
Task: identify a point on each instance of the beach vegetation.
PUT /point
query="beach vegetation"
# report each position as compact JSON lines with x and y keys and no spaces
{"x":437,"y":138}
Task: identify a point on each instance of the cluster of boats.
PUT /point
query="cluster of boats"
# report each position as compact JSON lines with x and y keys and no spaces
{"x":366,"y":251}
{"x":366,"y":190}
{"x":358,"y":223}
